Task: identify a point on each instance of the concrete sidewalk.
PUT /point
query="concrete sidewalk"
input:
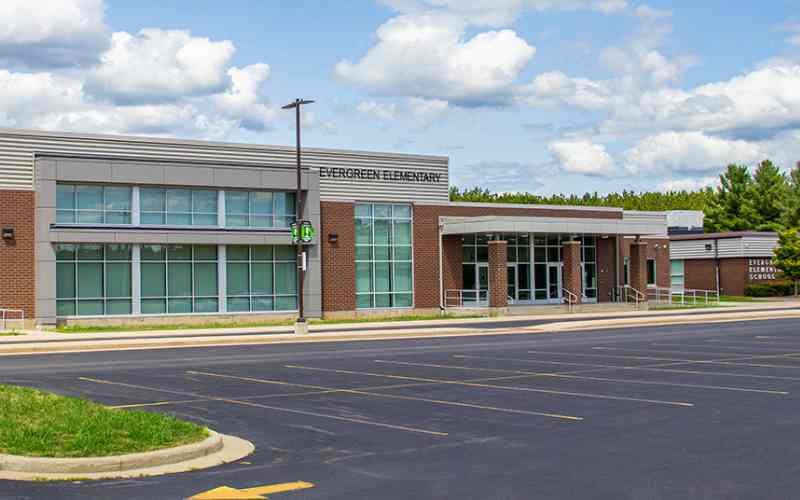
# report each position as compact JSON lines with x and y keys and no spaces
{"x":31,"y":342}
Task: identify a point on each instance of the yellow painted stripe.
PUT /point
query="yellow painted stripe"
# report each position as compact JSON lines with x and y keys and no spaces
{"x":157,"y":403}
{"x":501,"y":387}
{"x":275,"y":408}
{"x":407,"y":398}
{"x":278,"y":488}
{"x":598,"y":379}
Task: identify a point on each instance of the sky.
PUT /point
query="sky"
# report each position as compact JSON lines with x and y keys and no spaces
{"x":544,"y":96}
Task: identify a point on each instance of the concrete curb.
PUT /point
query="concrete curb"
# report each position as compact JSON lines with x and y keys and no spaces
{"x":237,"y":340}
{"x":216,"y":450}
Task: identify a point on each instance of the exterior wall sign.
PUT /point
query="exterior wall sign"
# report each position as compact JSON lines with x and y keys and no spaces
{"x":376,"y":174}
{"x":760,"y":270}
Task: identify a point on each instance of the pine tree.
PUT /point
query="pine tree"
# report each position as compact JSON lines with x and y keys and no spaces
{"x":787,"y":257}
{"x":791,"y":213}
{"x":769,"y":196}
{"x":731,"y":209}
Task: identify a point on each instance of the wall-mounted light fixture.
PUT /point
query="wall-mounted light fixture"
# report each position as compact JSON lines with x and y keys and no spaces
{"x":333,"y":238}
{"x":8,"y":233}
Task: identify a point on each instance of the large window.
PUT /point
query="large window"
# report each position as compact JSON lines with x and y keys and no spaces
{"x":677,"y":275}
{"x":384,"y":275}
{"x":179,"y":279}
{"x":589,"y":260}
{"x":91,"y":204}
{"x":261,"y":278}
{"x":262,"y":209}
{"x":177,"y":206}
{"x":651,"y":272}
{"x":93,"y":280}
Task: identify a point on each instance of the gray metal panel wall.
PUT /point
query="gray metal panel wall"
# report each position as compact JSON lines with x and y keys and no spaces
{"x":17,"y":149}
{"x":690,"y":249}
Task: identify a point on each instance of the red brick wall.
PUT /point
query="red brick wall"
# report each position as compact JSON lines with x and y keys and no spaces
{"x":699,"y":274}
{"x":572,"y":268}
{"x":17,"y":261}
{"x":657,"y":249}
{"x":498,"y":274}
{"x":606,"y":264}
{"x":338,"y":259}
{"x":638,"y":266}
{"x":452,"y":257}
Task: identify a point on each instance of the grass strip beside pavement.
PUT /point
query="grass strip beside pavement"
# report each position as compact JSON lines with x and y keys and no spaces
{"x":40,"y":424}
{"x":224,"y":325}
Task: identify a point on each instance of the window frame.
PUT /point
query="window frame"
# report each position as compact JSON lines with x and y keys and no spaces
{"x":104,"y":262}
{"x":165,"y":213}
{"x":654,"y":283}
{"x":372,"y":262}
{"x":289,"y":217}
{"x":167,"y":298}
{"x":250,"y":296}
{"x":104,"y":211}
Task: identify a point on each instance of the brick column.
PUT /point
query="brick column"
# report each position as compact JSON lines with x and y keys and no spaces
{"x":572,"y":268}
{"x":638,"y":267}
{"x":498,"y":274}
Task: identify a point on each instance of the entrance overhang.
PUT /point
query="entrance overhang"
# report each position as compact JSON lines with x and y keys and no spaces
{"x":631,"y":224}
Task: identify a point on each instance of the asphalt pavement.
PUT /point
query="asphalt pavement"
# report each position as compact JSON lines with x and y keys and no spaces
{"x":672,"y":412}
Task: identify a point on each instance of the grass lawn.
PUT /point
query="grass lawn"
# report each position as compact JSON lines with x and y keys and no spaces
{"x":222,"y":325}
{"x":42,"y":424}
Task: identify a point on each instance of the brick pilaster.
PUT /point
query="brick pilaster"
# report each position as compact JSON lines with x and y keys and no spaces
{"x":572,"y":268}
{"x":638,"y":267}
{"x":17,"y":278}
{"x":498,"y":274}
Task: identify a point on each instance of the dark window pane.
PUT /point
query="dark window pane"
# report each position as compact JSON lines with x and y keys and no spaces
{"x":154,"y":306}
{"x":238,"y":304}
{"x":65,"y":308}
{"x":90,"y":307}
{"x":65,"y":280}
{"x":179,"y":279}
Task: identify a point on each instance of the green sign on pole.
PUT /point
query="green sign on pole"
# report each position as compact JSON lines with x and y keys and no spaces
{"x":306,"y":232}
{"x":303,"y":232}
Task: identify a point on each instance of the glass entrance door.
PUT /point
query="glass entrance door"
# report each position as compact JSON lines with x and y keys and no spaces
{"x":554,"y":282}
{"x":512,"y":283}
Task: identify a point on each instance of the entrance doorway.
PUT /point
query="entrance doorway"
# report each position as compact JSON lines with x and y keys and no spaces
{"x":554,"y":287}
{"x":513,"y":283}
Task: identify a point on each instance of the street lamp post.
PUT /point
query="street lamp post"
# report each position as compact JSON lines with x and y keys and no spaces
{"x":301,"y":326}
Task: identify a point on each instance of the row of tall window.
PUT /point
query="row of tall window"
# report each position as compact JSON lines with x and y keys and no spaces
{"x":384,"y":275}
{"x":161,"y":206}
{"x":96,"y":279}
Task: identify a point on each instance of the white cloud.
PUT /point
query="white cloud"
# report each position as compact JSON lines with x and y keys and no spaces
{"x":383,"y":111}
{"x":793,"y":30}
{"x":428,"y":55}
{"x":156,"y":65}
{"x":502,"y":12}
{"x":687,"y":152}
{"x":244,"y":101}
{"x":583,"y":157}
{"x":555,"y":88}
{"x":42,"y":33}
{"x":688,"y":184}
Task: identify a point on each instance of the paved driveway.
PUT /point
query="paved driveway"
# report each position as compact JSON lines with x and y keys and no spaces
{"x":642,"y":413}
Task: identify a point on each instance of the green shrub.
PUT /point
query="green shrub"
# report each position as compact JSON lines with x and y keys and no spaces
{"x":769,"y":290}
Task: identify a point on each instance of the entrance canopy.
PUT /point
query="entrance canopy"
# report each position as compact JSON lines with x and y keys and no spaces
{"x":631,"y":224}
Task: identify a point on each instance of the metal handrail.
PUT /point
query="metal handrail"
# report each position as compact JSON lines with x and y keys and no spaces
{"x":475,"y":298}
{"x":693,"y":297}
{"x":627,"y":294}
{"x":570,"y":298}
{"x":4,"y":317}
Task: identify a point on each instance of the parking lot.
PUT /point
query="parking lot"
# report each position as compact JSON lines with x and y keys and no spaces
{"x":696,"y":411}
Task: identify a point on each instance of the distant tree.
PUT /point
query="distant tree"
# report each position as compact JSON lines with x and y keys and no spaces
{"x":791,"y":213}
{"x":769,"y":196}
{"x":787,"y":257}
{"x":731,"y":207}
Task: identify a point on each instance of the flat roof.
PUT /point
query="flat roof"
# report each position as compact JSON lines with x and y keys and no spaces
{"x":722,"y":236}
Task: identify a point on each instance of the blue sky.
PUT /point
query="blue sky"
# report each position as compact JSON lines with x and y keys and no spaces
{"x":536,"y":95}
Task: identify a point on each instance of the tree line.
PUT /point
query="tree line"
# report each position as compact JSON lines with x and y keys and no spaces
{"x":765,"y":200}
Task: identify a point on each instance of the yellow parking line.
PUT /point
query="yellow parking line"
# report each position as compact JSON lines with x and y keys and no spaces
{"x":585,"y":377}
{"x":500,"y":387}
{"x":157,"y":403}
{"x":407,"y":398}
{"x":274,"y":408}
{"x":647,"y":368}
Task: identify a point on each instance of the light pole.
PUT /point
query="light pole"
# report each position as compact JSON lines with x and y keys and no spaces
{"x":301,"y":326}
